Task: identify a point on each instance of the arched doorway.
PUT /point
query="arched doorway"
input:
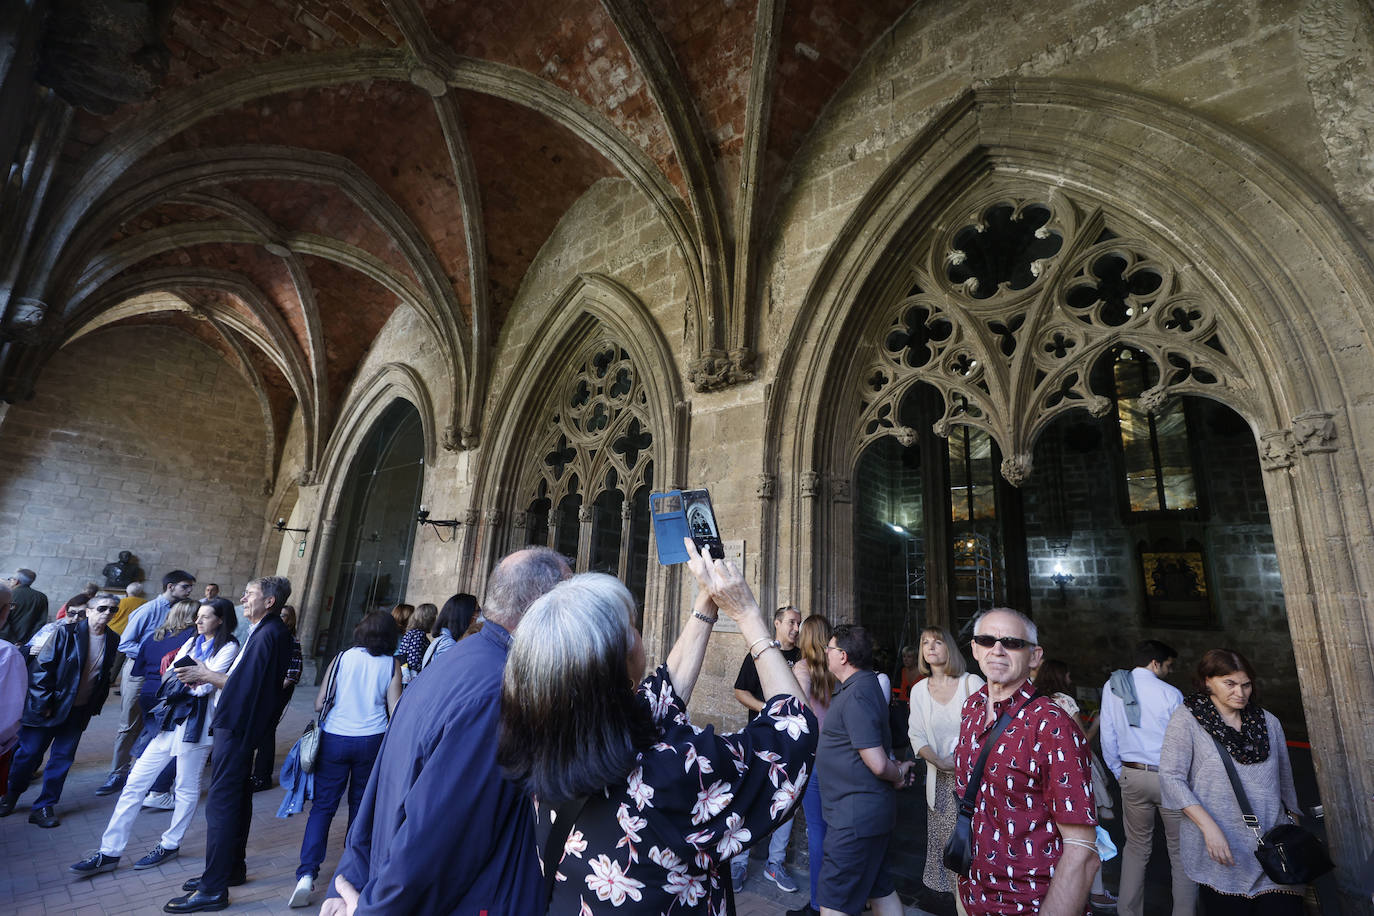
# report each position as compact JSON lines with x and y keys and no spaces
{"x":376,"y":512}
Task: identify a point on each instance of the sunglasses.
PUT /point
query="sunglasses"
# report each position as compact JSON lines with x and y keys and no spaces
{"x":1011,"y":643}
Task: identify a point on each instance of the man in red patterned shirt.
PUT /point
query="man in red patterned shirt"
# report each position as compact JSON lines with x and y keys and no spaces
{"x":1034,"y":843}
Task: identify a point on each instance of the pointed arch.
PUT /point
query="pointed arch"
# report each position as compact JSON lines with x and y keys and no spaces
{"x":1290,"y":284}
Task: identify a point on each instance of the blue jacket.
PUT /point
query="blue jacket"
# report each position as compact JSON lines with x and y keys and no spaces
{"x":439,"y":830}
{"x":299,"y":784}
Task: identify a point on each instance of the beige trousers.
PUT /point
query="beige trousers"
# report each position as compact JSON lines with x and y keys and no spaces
{"x":1140,"y":799}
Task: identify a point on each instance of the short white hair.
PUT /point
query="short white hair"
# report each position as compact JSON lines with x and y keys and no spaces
{"x":135,"y":589}
{"x":1031,"y":632}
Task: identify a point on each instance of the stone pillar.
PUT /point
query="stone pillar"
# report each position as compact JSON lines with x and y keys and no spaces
{"x":313,"y":589}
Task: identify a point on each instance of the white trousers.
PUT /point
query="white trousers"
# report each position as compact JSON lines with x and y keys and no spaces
{"x":190,"y":765}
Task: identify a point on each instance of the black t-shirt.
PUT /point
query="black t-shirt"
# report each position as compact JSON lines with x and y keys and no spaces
{"x":748,"y":678}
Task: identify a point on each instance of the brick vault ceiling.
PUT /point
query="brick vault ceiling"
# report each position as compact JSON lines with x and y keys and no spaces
{"x":306,"y":166}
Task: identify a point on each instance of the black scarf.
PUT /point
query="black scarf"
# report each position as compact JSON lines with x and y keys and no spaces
{"x":1249,"y":745}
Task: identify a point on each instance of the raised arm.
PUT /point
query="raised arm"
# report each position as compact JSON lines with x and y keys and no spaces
{"x":726,"y":585}
{"x":684,"y":661}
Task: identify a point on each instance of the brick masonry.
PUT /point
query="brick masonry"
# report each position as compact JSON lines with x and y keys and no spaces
{"x":140,"y":439}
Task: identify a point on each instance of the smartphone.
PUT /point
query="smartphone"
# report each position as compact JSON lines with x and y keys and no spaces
{"x":684,"y":513}
{"x":185,"y":661}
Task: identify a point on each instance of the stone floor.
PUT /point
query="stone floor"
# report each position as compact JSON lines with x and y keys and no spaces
{"x":33,"y":862}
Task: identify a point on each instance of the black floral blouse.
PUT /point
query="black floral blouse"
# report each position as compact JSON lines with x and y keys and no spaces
{"x":694,"y":800}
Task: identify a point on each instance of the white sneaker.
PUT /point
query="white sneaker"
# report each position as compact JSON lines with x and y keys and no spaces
{"x":301,"y":895}
{"x":161,"y":801}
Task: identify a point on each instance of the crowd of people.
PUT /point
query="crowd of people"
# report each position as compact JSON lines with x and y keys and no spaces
{"x":534,"y":718}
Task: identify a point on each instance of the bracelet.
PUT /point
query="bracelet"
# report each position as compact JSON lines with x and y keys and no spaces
{"x":709,"y":621}
{"x":755,"y":643}
{"x":1074,"y":841}
{"x":772,"y":644}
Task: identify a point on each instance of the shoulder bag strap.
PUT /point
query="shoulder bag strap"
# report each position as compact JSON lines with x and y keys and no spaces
{"x":331,"y":685}
{"x":975,"y":780}
{"x":1247,"y":813}
{"x":565,"y":816}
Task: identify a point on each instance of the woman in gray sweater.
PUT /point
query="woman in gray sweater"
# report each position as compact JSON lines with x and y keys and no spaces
{"x":1216,"y":846}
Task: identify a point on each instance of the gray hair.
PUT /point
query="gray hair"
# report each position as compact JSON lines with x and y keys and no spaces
{"x":1031,"y":632}
{"x":519,"y":580}
{"x":278,"y":587}
{"x":25,"y":577}
{"x":105,"y":594}
{"x":136,"y":590}
{"x":580,"y":622}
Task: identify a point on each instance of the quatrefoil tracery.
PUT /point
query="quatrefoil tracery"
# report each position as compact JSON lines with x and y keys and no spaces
{"x":1010,"y":347}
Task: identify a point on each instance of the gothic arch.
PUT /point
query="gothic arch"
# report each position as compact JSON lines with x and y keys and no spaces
{"x":1289,"y":288}
{"x":591,"y":310}
{"x":390,"y":383}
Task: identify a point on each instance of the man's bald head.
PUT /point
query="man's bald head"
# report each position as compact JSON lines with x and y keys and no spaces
{"x":519,"y":580}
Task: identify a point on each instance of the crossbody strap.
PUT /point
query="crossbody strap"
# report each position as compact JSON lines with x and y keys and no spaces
{"x":565,"y":815}
{"x":1247,"y":813}
{"x":331,"y":684}
{"x":975,"y":779}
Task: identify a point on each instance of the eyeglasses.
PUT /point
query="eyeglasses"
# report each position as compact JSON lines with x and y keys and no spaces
{"x":832,"y":648}
{"x":1010,"y":643}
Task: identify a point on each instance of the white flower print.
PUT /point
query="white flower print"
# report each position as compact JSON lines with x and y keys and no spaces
{"x":776,"y":771}
{"x":641,"y":793}
{"x":688,"y":888}
{"x":631,"y":825}
{"x":792,"y":723}
{"x":698,"y":840}
{"x":665,"y":857}
{"x":786,"y":794}
{"x":584,"y":910}
{"x":610,"y":883}
{"x":576,"y":845}
{"x":661,"y":704}
{"x":734,"y":837}
{"x":690,"y":757}
{"x":711,"y":801}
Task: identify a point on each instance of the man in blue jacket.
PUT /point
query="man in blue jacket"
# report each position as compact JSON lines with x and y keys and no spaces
{"x":439,"y":829}
{"x":67,"y":686}
{"x":250,"y":696}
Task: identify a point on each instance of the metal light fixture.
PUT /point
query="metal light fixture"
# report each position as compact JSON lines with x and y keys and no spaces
{"x":1062,"y":579}
{"x":422,"y":518}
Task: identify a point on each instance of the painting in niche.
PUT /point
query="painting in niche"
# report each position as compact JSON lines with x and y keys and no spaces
{"x":1176,"y":592}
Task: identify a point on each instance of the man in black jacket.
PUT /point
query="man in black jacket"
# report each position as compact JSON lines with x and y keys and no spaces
{"x":250,"y":697}
{"x":67,"y":686}
{"x":30,"y":609}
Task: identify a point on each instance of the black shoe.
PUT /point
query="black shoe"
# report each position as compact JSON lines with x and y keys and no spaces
{"x":44,"y":817}
{"x":113,"y":784}
{"x":156,"y":856}
{"x":7,"y":805}
{"x":197,"y":902}
{"x":97,"y":864}
{"x":236,"y":879}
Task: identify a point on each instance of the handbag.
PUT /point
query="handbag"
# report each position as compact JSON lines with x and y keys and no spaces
{"x":1289,"y":854}
{"x":309,"y":741}
{"x":958,"y":852}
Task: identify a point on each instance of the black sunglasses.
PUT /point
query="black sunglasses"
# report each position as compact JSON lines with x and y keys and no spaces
{"x":1011,"y":643}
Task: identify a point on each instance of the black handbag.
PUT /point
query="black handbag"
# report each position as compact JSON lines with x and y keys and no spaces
{"x":958,"y":853}
{"x":1289,"y":854}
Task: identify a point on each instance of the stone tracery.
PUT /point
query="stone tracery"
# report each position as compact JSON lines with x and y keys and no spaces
{"x":1031,"y":291}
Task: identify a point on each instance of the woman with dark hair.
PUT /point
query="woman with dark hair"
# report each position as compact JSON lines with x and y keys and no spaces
{"x":649,"y":808}
{"x":401,"y":614}
{"x":937,"y":700}
{"x":366,"y":683}
{"x":181,"y":731}
{"x":451,"y":624}
{"x":415,"y":640}
{"x":1216,"y":846}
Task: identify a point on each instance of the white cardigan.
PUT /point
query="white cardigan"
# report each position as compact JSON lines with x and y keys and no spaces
{"x":218,"y":663}
{"x":926,"y":730}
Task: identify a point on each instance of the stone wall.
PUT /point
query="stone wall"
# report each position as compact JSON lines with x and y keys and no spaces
{"x":140,"y":439}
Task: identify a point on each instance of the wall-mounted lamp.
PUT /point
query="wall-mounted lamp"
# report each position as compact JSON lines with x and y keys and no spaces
{"x":300,"y":545}
{"x":1061,"y":579}
{"x":422,"y":518}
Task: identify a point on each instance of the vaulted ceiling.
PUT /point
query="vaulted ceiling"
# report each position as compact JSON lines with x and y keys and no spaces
{"x":302,"y":168}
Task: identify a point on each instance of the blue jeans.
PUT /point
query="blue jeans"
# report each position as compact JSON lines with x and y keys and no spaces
{"x":815,"y":833}
{"x":33,"y":741}
{"x":344,"y":761}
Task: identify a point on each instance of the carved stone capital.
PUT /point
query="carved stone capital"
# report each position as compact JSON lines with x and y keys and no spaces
{"x":839,"y":489}
{"x":1017,"y":468}
{"x":494,"y":517}
{"x":584,"y":513}
{"x":1315,"y":431}
{"x":905,"y":435}
{"x":810,"y":484}
{"x":764,"y":485}
{"x":468,"y":439}
{"x":1152,"y":399}
{"x":742,"y":364}
{"x":26,"y":321}
{"x":451,"y":442}
{"x":1277,"y":449}
{"x":307,"y":477}
{"x":472,"y":516}
{"x":519,"y":520}
{"x":717,"y":369}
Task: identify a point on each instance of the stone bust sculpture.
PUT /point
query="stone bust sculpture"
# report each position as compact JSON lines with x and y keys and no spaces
{"x":122,"y":571}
